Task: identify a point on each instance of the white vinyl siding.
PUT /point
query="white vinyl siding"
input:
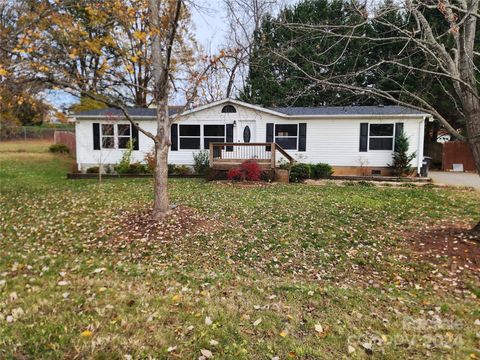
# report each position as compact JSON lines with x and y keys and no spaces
{"x":330,"y":140}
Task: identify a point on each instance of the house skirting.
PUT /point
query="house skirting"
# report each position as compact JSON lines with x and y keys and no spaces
{"x":361,"y":171}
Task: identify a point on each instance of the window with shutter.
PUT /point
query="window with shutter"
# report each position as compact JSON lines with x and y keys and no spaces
{"x":174,"y":137}
{"x":363,"y":137}
{"x":302,"y":137}
{"x":381,"y":137}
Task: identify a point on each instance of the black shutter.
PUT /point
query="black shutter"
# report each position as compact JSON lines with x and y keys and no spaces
{"x":229,"y":136}
{"x":363,"y":137}
{"x":135,"y":137}
{"x":398,"y":132}
{"x":96,"y":136}
{"x":269,"y":137}
{"x":174,"y":137}
{"x":302,"y":137}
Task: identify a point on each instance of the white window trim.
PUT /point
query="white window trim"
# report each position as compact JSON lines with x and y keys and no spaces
{"x":190,"y":137}
{"x":107,"y":136}
{"x":123,"y":136}
{"x":287,"y":137}
{"x":381,"y":137}
{"x":115,"y":136}
{"x":221,"y":138}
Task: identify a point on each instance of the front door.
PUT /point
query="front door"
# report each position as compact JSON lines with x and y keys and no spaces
{"x":245,"y":131}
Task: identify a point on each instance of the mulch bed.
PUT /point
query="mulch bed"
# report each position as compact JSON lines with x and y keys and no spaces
{"x":138,"y":229}
{"x":244,"y":184}
{"x":450,"y":245}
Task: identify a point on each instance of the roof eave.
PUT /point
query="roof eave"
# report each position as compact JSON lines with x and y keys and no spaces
{"x":291,"y":117}
{"x":349,"y":116}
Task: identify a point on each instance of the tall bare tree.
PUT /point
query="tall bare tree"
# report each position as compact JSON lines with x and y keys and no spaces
{"x":449,"y":53}
{"x":243,"y":19}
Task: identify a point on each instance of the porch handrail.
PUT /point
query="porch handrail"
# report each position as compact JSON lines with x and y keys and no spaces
{"x":271,"y":149}
{"x":282,"y":151}
{"x":239,"y":144}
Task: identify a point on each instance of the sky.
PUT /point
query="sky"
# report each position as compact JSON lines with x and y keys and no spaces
{"x":209,"y":19}
{"x":209,"y":27}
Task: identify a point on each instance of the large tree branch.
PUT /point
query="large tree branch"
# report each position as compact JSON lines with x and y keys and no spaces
{"x":426,"y":107}
{"x":109,"y":102}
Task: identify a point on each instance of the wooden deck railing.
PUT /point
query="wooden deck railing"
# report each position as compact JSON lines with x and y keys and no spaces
{"x":226,"y":155}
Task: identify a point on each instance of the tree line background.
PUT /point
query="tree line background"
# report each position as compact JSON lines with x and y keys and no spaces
{"x":274,"y":54}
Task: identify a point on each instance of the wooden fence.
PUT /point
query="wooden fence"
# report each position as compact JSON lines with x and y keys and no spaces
{"x":457,"y":152}
{"x":67,"y":138}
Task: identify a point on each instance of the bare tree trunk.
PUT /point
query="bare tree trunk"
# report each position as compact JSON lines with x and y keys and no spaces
{"x":161,"y":204}
{"x":161,"y":70}
{"x":476,"y":230}
{"x":473,"y":129}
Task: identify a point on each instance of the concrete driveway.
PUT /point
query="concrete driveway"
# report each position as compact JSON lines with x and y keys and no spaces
{"x":455,"y":179}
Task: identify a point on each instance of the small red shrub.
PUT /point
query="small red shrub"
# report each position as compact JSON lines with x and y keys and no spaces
{"x":249,"y":170}
{"x":252,"y":170}
{"x":235,"y":174}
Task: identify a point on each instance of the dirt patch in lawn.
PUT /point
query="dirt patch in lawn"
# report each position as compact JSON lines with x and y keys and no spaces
{"x":139,"y":230}
{"x":451,"y":245}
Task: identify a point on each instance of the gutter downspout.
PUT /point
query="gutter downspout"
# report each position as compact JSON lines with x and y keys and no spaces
{"x":421,"y":140}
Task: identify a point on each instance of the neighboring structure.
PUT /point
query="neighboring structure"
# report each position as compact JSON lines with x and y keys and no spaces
{"x":354,"y":140}
{"x":443,"y":136}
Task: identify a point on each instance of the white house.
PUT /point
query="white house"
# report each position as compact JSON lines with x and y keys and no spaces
{"x":354,"y":140}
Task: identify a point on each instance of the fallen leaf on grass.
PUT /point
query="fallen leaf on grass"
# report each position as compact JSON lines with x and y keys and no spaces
{"x":171,"y":348}
{"x":86,"y":334}
{"x":319,"y":328}
{"x":207,"y":353}
{"x":257,"y":322}
{"x":368,"y":348}
{"x":283,"y":333}
{"x":208,"y":321}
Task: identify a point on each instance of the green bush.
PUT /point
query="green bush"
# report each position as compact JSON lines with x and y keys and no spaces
{"x":299,"y":172}
{"x":138,"y":168}
{"x":123,"y":167}
{"x":284,"y":164}
{"x":171,"y":169}
{"x":320,"y":171}
{"x":182,"y":170}
{"x":201,"y":161}
{"x":93,"y":170}
{"x":401,"y":159}
{"x":59,"y":148}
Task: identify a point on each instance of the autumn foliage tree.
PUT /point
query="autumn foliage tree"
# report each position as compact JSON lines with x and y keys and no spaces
{"x":118,"y":52}
{"x":19,"y":101}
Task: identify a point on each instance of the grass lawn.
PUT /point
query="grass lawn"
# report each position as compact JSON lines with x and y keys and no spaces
{"x":287,"y":271}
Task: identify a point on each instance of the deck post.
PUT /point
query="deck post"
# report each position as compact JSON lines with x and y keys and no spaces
{"x":272,"y":154}
{"x":211,"y":154}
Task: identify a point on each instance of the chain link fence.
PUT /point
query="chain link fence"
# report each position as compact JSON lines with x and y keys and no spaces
{"x":32,"y":132}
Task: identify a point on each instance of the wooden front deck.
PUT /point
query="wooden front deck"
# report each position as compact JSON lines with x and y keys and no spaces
{"x":224,"y":156}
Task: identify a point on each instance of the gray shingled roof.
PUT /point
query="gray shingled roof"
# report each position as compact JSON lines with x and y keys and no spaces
{"x":132,"y":111}
{"x":292,"y":111}
{"x":348,"y":110}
